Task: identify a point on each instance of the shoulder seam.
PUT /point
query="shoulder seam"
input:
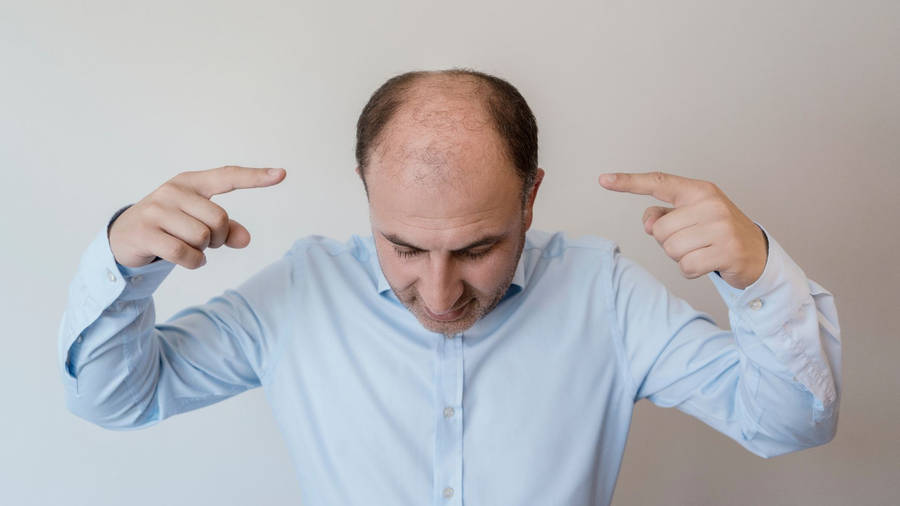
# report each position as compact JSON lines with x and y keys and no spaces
{"x":619,"y":336}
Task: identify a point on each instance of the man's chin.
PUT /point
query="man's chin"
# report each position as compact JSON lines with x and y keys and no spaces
{"x":461,"y":324}
{"x":445,"y":327}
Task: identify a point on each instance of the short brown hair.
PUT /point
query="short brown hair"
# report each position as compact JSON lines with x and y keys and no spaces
{"x":511,"y":116}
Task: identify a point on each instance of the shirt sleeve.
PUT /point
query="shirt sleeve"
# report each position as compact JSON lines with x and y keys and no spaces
{"x":772,"y":383}
{"x":122,"y":370}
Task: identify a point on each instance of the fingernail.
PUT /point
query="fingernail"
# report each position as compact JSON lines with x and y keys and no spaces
{"x":607,"y":178}
{"x":274,"y":172}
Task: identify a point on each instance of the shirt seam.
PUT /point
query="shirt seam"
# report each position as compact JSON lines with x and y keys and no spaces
{"x":265,"y":376}
{"x":619,"y":334}
{"x":239,"y":317}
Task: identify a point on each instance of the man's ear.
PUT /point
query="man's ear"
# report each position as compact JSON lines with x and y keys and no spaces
{"x":529,"y":206}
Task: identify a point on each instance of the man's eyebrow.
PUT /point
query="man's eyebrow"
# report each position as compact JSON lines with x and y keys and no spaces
{"x":489,"y":239}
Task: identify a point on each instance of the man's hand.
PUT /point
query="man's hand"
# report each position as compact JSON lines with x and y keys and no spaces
{"x":703,"y":232}
{"x":177,"y":221}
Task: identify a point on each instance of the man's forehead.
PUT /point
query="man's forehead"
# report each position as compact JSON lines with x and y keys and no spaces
{"x":459,"y":191}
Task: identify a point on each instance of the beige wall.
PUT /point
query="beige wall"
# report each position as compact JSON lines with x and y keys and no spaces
{"x":792,"y":107}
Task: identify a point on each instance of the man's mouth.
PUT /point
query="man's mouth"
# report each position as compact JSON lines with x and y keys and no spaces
{"x":448,"y":316}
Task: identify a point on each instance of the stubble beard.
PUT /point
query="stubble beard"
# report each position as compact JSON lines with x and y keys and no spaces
{"x":479,"y":306}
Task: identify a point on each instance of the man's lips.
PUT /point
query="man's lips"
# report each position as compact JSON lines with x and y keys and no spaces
{"x":448,"y":316}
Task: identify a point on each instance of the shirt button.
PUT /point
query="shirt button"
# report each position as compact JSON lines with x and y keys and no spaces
{"x":137,"y":279}
{"x":448,"y":412}
{"x":448,"y":492}
{"x":755,"y":304}
{"x":110,"y":275}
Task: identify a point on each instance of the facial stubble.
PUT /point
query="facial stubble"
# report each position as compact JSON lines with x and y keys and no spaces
{"x":473,"y":314}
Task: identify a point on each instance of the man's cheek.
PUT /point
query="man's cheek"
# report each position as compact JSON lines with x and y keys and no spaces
{"x":399,"y":276}
{"x":491,"y":272}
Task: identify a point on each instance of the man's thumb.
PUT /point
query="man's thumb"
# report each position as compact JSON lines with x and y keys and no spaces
{"x":238,"y":235}
{"x":652,"y":214}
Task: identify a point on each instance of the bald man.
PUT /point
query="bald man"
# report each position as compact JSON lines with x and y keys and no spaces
{"x":455,"y":356}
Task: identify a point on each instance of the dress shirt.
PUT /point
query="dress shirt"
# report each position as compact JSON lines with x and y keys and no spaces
{"x":530,"y":406}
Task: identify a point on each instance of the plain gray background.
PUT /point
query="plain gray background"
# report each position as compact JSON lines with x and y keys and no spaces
{"x":792,"y":108}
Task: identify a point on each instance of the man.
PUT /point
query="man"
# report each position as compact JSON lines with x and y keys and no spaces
{"x":451,"y":357}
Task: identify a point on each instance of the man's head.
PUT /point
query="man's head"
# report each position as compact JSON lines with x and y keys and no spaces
{"x":448,"y":160}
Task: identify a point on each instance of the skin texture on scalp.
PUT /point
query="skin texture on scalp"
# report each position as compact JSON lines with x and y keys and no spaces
{"x":438,"y":136}
{"x":439,"y":179}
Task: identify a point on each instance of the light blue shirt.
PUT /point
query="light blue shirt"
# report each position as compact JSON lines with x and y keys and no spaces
{"x":530,"y":406}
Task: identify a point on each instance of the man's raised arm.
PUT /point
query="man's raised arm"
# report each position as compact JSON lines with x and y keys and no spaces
{"x":772,"y":382}
{"x":120,"y":369}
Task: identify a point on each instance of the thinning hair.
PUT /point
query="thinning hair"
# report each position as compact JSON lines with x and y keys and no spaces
{"x":508,"y":110}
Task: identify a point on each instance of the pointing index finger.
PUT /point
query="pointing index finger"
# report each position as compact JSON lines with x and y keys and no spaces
{"x":669,"y":188}
{"x":231,"y":177}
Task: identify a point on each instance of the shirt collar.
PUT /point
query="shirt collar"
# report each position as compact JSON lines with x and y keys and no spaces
{"x":382,"y":285}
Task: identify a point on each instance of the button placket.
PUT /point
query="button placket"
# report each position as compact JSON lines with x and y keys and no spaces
{"x":448,"y":432}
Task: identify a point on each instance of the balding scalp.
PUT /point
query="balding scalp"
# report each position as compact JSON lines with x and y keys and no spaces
{"x":498,"y":103}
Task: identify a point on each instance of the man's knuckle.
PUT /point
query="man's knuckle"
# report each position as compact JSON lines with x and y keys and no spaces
{"x":670,"y":248}
{"x":182,"y":176}
{"x":688,"y":269}
{"x":706,"y":186}
{"x":177,"y":249}
{"x":220,"y":218}
{"x":154,"y":208}
{"x":168,"y":190}
{"x":716,"y":208}
{"x":196,"y":262}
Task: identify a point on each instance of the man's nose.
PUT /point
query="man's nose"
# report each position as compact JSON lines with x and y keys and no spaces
{"x":441,"y":286}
